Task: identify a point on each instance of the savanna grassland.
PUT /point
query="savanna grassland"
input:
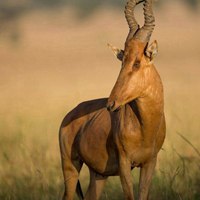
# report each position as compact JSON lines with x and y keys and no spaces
{"x":56,"y":60}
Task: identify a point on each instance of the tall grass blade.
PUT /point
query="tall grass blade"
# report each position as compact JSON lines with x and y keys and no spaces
{"x":186,"y":140}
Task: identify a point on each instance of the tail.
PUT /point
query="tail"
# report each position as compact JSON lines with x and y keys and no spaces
{"x":79,"y":191}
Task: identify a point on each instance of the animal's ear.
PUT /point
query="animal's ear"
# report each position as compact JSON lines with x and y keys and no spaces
{"x":152,"y":50}
{"x":117,"y":52}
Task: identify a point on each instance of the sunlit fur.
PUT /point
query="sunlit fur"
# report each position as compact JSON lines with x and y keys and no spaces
{"x":112,"y":136}
{"x":135,"y":76}
{"x":113,"y":143}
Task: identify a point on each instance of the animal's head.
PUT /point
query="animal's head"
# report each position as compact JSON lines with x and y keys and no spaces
{"x":136,"y":57}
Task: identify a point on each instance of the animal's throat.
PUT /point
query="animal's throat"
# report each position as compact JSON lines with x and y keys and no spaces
{"x":149,"y":114}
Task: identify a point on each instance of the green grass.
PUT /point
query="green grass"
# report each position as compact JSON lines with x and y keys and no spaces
{"x":41,"y":79}
{"x":30,"y":166}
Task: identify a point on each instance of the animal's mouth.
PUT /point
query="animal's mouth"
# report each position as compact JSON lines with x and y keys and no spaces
{"x":112,"y":106}
{"x":117,"y":109}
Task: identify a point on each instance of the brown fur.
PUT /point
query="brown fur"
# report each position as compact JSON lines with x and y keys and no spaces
{"x":112,"y":143}
{"x":112,"y":136}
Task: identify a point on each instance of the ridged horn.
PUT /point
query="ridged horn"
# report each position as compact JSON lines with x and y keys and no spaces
{"x":130,"y":18}
{"x":145,"y":32}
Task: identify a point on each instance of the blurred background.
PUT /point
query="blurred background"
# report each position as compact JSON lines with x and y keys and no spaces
{"x":53,"y":55}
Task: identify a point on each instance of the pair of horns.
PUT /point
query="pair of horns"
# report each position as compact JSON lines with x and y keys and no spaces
{"x":143,"y":34}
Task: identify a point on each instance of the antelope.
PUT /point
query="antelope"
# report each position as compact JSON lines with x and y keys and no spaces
{"x":116,"y":134}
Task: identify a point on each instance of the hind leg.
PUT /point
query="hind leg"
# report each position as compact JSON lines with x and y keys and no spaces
{"x":96,"y":185}
{"x":71,"y":172}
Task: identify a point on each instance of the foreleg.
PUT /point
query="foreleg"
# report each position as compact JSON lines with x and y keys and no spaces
{"x":146,"y":173}
{"x":126,"y":178}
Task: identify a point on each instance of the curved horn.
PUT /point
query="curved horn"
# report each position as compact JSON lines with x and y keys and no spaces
{"x":145,"y":32}
{"x":130,"y":18}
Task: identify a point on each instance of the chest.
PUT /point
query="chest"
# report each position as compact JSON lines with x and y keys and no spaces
{"x":131,"y":140}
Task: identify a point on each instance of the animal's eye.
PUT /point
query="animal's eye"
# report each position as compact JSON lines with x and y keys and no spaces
{"x":136,"y":64}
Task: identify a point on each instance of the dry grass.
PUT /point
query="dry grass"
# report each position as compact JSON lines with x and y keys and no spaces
{"x":59,"y":62}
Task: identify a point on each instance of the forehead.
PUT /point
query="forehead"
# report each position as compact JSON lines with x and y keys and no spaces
{"x":134,"y":46}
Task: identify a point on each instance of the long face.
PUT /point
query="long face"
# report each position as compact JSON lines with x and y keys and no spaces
{"x":130,"y":83}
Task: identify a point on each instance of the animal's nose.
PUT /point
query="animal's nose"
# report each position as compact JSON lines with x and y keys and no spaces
{"x":110,"y":105}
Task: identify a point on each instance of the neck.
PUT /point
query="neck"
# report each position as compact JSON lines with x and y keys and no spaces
{"x":150,"y":111}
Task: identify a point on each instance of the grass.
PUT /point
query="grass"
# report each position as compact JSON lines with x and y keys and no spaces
{"x":59,"y":62}
{"x":30,"y":167}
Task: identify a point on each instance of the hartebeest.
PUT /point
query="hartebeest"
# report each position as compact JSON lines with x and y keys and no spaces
{"x":112,"y":136}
